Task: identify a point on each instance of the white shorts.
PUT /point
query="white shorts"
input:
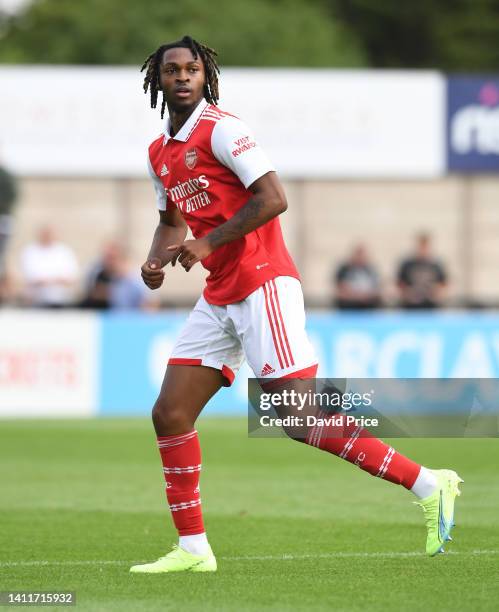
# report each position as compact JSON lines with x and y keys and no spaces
{"x":267,"y":327}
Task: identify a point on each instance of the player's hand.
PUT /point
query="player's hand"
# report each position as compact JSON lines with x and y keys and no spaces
{"x":152,"y":274}
{"x":190,"y":252}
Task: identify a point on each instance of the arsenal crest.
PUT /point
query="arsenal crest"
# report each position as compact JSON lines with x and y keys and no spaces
{"x":191,"y":158}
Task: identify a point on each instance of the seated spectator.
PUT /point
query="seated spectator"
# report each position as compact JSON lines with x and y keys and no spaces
{"x":421,"y":278}
{"x":357,"y":282}
{"x":97,"y":290}
{"x":127,"y":290}
{"x":50,"y":271}
{"x":113,"y":284}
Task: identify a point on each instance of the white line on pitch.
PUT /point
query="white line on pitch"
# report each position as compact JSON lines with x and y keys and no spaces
{"x":284,"y":557}
{"x":361,"y":555}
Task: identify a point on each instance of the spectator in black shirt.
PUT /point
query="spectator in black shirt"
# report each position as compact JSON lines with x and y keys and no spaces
{"x":357,"y":284}
{"x":100,"y":277}
{"x":421,"y":278}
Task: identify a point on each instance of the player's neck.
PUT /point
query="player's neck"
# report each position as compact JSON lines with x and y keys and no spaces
{"x":178,"y":118}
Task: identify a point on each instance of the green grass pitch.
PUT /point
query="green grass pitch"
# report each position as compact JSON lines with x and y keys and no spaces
{"x":293,"y":528}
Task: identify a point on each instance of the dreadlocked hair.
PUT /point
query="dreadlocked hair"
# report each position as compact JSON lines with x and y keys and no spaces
{"x":208,"y":57}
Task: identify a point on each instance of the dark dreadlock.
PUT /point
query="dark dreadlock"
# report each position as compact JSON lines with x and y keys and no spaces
{"x":208,"y":57}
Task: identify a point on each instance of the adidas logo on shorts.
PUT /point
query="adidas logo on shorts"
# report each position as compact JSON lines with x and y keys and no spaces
{"x":266,"y":370}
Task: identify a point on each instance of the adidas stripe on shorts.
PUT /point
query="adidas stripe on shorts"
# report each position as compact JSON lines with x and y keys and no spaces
{"x":267,"y":328}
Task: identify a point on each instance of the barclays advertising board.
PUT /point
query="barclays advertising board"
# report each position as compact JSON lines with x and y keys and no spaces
{"x":135,"y":349}
{"x":87,"y":364}
{"x":473,"y":124}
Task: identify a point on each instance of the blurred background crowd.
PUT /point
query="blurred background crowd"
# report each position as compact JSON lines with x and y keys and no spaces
{"x":50,"y":276}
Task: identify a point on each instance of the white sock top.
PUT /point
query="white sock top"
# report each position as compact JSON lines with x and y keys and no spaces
{"x":425,"y":484}
{"x":194,"y":544}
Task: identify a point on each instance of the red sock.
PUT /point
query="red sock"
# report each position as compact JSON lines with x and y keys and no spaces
{"x":358,"y":446}
{"x":181,"y":457}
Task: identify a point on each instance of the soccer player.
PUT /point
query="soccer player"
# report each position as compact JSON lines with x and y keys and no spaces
{"x":211,"y":175}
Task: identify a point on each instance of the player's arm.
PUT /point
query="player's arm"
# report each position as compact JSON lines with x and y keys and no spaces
{"x":171,"y":229}
{"x":268,"y":201}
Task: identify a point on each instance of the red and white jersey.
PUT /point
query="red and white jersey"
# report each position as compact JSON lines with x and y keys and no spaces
{"x":205,"y":171}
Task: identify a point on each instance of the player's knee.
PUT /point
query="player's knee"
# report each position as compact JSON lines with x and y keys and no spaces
{"x":168,"y":418}
{"x":294,"y":433}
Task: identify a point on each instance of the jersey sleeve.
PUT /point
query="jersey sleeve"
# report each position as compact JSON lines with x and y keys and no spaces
{"x":158,"y":186}
{"x":234,"y":146}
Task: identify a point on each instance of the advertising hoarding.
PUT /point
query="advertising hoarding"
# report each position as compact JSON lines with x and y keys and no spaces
{"x":96,"y":121}
{"x":473,"y":124}
{"x":48,"y":364}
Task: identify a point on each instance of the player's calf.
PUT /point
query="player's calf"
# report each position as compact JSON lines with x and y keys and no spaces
{"x":358,"y":446}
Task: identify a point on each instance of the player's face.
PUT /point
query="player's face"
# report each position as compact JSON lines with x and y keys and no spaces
{"x":181,"y":78}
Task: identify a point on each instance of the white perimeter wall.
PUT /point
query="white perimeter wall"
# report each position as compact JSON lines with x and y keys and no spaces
{"x":77,"y":121}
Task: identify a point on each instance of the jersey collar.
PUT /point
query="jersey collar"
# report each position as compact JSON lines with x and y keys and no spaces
{"x":185,"y":131}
